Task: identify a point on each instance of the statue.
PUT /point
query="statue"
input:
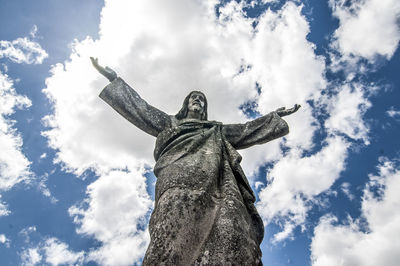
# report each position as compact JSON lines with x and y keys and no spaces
{"x":204,"y":211}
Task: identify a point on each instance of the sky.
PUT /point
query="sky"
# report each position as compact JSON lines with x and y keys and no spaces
{"x":76,"y":180}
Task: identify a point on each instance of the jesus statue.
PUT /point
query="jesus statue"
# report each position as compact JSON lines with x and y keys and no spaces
{"x":204,"y":211}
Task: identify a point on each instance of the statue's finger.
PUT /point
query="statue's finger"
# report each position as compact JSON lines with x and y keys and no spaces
{"x":94,"y":61}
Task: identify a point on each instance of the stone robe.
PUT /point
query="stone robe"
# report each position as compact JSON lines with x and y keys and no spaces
{"x":204,"y":211}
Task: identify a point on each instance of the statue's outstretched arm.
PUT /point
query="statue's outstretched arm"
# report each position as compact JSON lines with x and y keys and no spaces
{"x":107,"y":72}
{"x":260,"y":130}
{"x":126,"y":101}
{"x":284,"y":112}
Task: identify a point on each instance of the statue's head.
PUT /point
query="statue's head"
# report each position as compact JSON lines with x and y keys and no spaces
{"x":196,"y":101}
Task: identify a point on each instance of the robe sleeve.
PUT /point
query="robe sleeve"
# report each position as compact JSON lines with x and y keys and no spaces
{"x":257,"y":131}
{"x":127,"y":102}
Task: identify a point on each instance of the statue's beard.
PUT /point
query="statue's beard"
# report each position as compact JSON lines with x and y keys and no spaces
{"x":196,"y":107}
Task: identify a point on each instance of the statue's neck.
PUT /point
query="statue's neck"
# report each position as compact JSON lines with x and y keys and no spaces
{"x":193,"y":115}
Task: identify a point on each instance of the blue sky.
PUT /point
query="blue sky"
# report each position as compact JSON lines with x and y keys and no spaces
{"x":76,"y":181}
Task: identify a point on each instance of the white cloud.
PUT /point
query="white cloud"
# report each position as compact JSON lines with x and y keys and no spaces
{"x":347,"y":109}
{"x":52,"y":252}
{"x":112,"y":213}
{"x":33,"y":31}
{"x":30,"y":257}
{"x":23,"y":50}
{"x":49,"y":250}
{"x":258,"y":185}
{"x":4,"y":240}
{"x":296,"y":181}
{"x":122,"y":250}
{"x":367,"y":27}
{"x":393,"y":113}
{"x":40,"y":183}
{"x":14,"y":166}
{"x":57,"y":252}
{"x":370,"y":240}
{"x":345,"y":188}
{"x":3,"y":209}
{"x":26,"y":232}
{"x":5,"y":67}
{"x":285,"y":66}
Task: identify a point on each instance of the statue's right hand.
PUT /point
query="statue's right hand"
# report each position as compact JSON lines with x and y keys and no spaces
{"x":107,"y":72}
{"x":95,"y":62}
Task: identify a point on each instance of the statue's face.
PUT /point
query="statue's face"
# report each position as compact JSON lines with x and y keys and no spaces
{"x":196,"y":102}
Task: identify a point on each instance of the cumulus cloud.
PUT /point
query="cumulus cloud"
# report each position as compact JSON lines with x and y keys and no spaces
{"x":114,"y":213}
{"x":375,"y":233}
{"x":287,"y":70}
{"x":295,"y":181}
{"x":347,"y":109}
{"x":52,"y":252}
{"x":30,"y":257}
{"x":367,"y":28}
{"x":14,"y":166}
{"x":57,"y":252}
{"x":23,"y":50}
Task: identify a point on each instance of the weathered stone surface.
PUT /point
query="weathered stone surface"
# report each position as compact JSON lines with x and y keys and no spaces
{"x":204,"y":211}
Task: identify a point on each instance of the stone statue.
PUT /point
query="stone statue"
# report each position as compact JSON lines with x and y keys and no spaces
{"x":204,"y":211}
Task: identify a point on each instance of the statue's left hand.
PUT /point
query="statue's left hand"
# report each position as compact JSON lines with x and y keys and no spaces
{"x":284,"y":112}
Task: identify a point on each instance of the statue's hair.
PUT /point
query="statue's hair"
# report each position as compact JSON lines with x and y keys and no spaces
{"x":184,"y":110}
